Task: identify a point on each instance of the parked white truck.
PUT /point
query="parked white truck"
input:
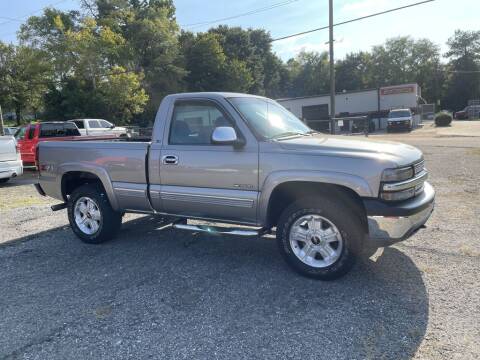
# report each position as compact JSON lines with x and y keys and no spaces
{"x":10,"y":160}
{"x":93,"y":127}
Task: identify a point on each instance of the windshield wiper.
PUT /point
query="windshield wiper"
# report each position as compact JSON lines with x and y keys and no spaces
{"x":287,"y":134}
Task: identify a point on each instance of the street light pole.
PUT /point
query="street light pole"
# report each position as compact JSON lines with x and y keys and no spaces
{"x":332,"y":68}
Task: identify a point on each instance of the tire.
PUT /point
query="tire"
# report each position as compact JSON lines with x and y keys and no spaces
{"x":4,"y":180}
{"x":327,"y":211}
{"x":91,"y":216}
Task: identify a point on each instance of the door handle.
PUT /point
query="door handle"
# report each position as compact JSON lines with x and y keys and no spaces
{"x":170,"y":160}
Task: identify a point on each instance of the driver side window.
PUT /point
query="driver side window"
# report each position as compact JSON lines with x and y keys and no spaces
{"x":194,"y":121}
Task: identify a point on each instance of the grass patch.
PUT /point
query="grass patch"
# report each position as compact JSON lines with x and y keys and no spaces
{"x":475,"y":151}
{"x":20,"y":202}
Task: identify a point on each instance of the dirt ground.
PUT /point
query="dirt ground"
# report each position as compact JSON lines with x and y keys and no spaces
{"x":170,"y":294}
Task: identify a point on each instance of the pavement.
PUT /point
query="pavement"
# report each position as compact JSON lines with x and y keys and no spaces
{"x":176,"y":295}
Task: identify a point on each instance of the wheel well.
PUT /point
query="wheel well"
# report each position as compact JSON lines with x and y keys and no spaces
{"x":287,"y":193}
{"x":74,"y":179}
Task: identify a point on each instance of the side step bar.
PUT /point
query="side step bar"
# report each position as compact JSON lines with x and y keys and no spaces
{"x":220,"y":230}
{"x":58,"y":207}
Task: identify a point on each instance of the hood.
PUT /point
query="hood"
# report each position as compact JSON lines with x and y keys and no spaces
{"x":398,"y":153}
{"x":400,"y":118}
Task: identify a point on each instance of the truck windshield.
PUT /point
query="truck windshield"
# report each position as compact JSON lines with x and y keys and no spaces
{"x":269,"y":119}
{"x":399,"y":114}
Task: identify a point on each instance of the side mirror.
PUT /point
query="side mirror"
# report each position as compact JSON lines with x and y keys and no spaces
{"x":225,"y":135}
{"x":112,"y":126}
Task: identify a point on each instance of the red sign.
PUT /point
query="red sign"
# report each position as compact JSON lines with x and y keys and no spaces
{"x":397,"y":90}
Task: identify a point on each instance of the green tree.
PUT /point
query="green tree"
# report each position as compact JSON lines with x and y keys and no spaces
{"x":151,"y":42}
{"x":205,"y":62}
{"x":123,"y":95}
{"x":24,"y":77}
{"x":309,"y":73}
{"x":354,"y":71}
{"x":47,"y":33}
{"x":463,"y":77}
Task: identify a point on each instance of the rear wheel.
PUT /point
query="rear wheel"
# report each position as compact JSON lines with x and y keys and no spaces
{"x":4,"y":180}
{"x":91,"y":216}
{"x":320,"y":237}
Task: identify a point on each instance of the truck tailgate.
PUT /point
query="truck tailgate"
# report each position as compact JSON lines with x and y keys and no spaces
{"x":8,"y":151}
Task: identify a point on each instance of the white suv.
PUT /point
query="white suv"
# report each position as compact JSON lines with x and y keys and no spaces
{"x":400,"y":119}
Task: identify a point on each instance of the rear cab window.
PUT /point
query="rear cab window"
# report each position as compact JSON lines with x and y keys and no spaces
{"x":58,"y":130}
{"x":79,"y":124}
{"x":20,"y":134}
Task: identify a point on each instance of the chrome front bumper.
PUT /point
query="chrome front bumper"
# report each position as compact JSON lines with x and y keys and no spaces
{"x":390,"y":224}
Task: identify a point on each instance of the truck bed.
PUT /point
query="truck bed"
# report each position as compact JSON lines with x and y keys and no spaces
{"x":123,"y":163}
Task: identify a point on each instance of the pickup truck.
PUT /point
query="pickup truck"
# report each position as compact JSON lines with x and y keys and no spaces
{"x":10,"y":162}
{"x":245,"y":160}
{"x":28,"y":137}
{"x":98,"y":127}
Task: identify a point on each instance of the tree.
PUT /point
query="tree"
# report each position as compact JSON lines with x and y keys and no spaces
{"x":463,"y":77}
{"x":205,"y":61}
{"x":151,"y":43}
{"x":354,"y":71}
{"x":309,"y":73}
{"x":24,"y":77}
{"x":47,"y":33}
{"x":123,"y":94}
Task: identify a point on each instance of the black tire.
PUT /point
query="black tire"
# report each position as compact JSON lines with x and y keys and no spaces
{"x":110,"y":222}
{"x":4,"y":180}
{"x":337,"y":212}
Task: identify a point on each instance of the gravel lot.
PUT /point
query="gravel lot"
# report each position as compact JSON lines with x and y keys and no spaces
{"x":173,"y":295}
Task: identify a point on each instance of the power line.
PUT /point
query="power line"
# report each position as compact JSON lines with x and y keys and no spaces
{"x":20,"y":19}
{"x":251,"y":12}
{"x":352,"y":20}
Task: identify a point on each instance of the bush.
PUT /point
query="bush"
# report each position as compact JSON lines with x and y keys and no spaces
{"x":443,"y":119}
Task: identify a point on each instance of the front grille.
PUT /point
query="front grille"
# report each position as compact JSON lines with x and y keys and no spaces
{"x":419,"y":167}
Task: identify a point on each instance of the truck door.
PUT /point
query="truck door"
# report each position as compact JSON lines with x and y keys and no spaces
{"x":28,"y":145}
{"x":202,"y":179}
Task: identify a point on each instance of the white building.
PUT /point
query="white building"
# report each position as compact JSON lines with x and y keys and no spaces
{"x":375,"y":103}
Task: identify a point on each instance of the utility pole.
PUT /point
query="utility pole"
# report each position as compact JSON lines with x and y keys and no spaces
{"x":332,"y":68}
{"x":2,"y":132}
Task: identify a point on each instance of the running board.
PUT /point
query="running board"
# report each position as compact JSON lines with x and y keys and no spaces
{"x":221,"y":230}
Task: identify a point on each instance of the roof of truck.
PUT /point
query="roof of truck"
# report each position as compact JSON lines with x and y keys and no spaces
{"x":214,"y":94}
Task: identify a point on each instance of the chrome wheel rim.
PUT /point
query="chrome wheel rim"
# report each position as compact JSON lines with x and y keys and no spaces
{"x":316,"y":241}
{"x":87,"y":215}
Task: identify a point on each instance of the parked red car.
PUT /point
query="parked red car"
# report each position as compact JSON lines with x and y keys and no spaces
{"x":29,"y":136}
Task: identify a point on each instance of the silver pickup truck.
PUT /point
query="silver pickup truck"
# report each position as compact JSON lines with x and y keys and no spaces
{"x":245,"y":160}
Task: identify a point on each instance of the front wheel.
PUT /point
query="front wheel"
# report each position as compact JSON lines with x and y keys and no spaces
{"x":91,"y":216}
{"x":320,"y":237}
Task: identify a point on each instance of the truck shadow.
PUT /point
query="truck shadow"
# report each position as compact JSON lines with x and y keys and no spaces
{"x":201,"y":295}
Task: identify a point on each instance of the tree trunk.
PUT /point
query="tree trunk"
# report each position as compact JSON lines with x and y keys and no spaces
{"x":18,"y":114}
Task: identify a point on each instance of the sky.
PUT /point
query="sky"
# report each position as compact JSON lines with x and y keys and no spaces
{"x":436,"y":21}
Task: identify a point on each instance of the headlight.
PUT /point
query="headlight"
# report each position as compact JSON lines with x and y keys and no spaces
{"x":397,"y":174}
{"x":398,"y":195}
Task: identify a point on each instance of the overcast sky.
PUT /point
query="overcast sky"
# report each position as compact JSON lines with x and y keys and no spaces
{"x":436,"y":20}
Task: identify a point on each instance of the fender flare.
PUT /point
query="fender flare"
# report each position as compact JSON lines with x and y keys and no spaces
{"x":355,"y":183}
{"x":98,"y":171}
